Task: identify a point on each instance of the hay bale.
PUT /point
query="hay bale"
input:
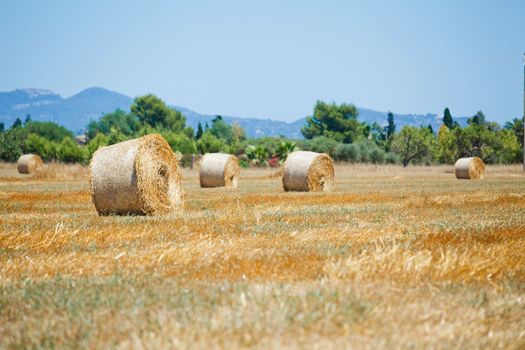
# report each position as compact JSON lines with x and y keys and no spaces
{"x":471,"y":168}
{"x":219,"y":170}
{"x":139,"y":176}
{"x":29,"y":163}
{"x":308,"y":171}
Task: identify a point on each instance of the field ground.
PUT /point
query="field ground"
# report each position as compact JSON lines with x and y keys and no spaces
{"x":392,"y":258}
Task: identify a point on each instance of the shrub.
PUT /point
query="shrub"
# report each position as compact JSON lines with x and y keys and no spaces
{"x":377,"y":156}
{"x":321,"y":144}
{"x":180,"y":143}
{"x":258,"y":155}
{"x":346,"y":153}
{"x":364,"y":152}
{"x":244,"y":163}
{"x":271,"y":144}
{"x":11,"y":145}
{"x":68,"y":151}
{"x":210,"y":144}
{"x":47,"y":150}
{"x":97,"y":142}
{"x":48,"y":130}
{"x":392,"y":158}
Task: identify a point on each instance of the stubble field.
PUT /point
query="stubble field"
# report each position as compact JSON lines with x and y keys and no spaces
{"x":391,"y":258}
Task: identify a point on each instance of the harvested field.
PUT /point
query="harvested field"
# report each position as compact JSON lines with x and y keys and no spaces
{"x":391,"y":258}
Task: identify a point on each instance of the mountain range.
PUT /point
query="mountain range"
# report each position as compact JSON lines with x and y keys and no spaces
{"x":76,"y":111}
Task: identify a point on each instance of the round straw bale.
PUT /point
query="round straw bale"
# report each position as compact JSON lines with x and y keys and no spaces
{"x":139,"y":176}
{"x":218,"y":170}
{"x":469,"y":168}
{"x":308,"y":171}
{"x":29,"y":163}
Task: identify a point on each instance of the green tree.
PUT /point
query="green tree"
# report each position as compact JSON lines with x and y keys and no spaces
{"x":48,"y":130}
{"x":446,"y":148}
{"x":448,"y":121}
{"x":516,"y":126}
{"x":413,"y":144}
{"x":28,"y":119}
{"x":478,"y":119}
{"x":238,"y":132}
{"x":2,"y":127}
{"x":510,"y":149}
{"x":46,"y":149}
{"x":125,"y":123}
{"x":68,"y":151}
{"x":199,"y":131}
{"x":151,"y":110}
{"x":95,"y":143}
{"x":338,"y":122}
{"x":116,"y":136}
{"x":487,"y":141}
{"x":220,"y":129}
{"x":376,"y":133}
{"x":180,"y":143}
{"x":390,"y":129}
{"x":17,"y":124}
{"x":209,"y":143}
{"x":11,"y":145}
{"x":238,"y":136}
{"x":188,"y":132}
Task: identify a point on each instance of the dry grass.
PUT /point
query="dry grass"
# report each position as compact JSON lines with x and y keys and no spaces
{"x":62,"y":172}
{"x":48,"y":172}
{"x":392,"y":258}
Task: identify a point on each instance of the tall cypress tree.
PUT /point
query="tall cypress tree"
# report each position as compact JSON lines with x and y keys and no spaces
{"x":391,"y":127}
{"x":199,"y":131}
{"x":17,"y":123}
{"x":447,"y":119}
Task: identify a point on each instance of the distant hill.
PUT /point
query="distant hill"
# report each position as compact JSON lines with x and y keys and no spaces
{"x":76,"y":111}
{"x":253,"y":127}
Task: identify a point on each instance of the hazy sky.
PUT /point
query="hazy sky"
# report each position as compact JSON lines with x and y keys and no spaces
{"x":274,"y":59}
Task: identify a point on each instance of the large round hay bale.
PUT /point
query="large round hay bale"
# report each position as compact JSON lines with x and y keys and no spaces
{"x":29,"y":163}
{"x":219,"y":170}
{"x":469,"y":168}
{"x":139,"y":176}
{"x":308,"y":171}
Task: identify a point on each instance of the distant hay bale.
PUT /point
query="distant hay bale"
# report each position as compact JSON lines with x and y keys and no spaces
{"x":29,"y":163}
{"x":219,"y":170}
{"x":308,"y":171}
{"x":139,"y":176}
{"x":469,"y":168}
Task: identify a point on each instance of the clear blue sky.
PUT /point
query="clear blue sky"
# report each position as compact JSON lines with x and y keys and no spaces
{"x":274,"y":59}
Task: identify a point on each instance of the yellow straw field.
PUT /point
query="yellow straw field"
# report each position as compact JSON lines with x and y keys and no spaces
{"x":391,"y":258}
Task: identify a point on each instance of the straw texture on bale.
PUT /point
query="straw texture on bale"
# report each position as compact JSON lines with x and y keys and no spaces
{"x":308,"y":172}
{"x":219,"y":170}
{"x":29,"y":163}
{"x":139,"y":176}
{"x":469,"y":168}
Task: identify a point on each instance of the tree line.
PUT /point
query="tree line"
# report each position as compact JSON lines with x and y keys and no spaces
{"x":332,"y":128}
